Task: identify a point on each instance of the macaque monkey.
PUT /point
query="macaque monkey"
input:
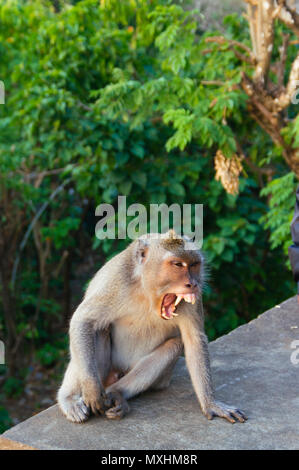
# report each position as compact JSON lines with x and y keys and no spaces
{"x":140,"y":311}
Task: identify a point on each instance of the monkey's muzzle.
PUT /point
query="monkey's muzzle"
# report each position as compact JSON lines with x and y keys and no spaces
{"x":171,"y":301}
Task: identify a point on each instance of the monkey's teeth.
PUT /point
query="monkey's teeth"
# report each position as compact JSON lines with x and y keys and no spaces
{"x":164,"y":314}
{"x":188,"y":298}
{"x":178,"y":299}
{"x":193,"y":299}
{"x":173,"y":307}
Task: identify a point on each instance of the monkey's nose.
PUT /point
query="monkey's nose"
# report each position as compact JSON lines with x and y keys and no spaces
{"x":190,"y":285}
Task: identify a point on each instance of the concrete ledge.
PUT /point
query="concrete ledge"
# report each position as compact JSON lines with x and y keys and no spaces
{"x":252,"y":369}
{"x":8,"y":444}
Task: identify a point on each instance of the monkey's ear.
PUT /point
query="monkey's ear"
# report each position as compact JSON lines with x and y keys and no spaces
{"x":141,"y":250}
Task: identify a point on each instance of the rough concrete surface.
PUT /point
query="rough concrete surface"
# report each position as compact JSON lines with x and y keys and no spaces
{"x":252,"y":369}
{"x":8,"y":444}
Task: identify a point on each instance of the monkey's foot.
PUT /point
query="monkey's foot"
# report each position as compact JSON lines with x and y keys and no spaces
{"x":77,"y":411}
{"x":222,"y":410}
{"x":95,"y":398}
{"x":120,"y":408}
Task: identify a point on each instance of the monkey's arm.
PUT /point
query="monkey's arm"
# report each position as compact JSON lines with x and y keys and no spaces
{"x":198,"y":363}
{"x":85,"y":332}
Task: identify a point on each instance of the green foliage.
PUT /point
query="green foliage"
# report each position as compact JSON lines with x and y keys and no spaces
{"x":243,"y":269}
{"x":282,"y":196}
{"x":175,"y":87}
{"x":60,"y":229}
{"x":13,"y":387}
{"x":48,"y":354}
{"x":5,"y":421}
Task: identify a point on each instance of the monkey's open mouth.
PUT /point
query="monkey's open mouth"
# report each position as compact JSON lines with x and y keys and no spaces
{"x":170,"y":303}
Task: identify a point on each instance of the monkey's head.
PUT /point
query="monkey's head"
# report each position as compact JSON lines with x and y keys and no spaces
{"x":170,"y":269}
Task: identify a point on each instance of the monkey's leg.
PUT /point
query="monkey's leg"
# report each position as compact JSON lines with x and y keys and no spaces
{"x":147,"y":372}
{"x":164,"y":380}
{"x":69,"y":396}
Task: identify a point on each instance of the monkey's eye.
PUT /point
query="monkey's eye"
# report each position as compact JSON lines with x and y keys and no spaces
{"x":196,"y":263}
{"x":178,"y":263}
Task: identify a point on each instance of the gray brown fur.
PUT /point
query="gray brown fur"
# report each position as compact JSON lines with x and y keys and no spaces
{"x":118,"y":327}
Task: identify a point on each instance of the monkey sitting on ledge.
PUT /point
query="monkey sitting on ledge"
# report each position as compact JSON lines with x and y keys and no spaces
{"x":140,"y":311}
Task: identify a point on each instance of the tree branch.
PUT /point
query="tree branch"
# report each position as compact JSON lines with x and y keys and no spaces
{"x":285,"y":98}
{"x":30,"y":228}
{"x":213,"y":82}
{"x":287,"y":15}
{"x":262,"y":18}
{"x":232,"y":44}
{"x":283,"y":57}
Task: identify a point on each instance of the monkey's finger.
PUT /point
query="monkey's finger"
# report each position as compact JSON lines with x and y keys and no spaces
{"x":221,"y":412}
{"x":93,"y":409}
{"x":238,"y":415}
{"x":85,"y":409}
{"x":106,"y":400}
{"x":79,"y":412}
{"x":115,"y":409}
{"x":100,"y":411}
{"x":96,"y":408}
{"x":115,"y":413}
{"x":229,"y":417}
{"x":243,"y":414}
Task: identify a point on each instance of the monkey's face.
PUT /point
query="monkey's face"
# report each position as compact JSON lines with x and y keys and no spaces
{"x":172,"y":277}
{"x":171,"y":273}
{"x":179,"y":281}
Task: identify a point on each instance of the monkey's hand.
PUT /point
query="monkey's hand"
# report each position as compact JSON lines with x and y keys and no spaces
{"x":94,"y":397}
{"x":119,"y":406}
{"x":217,"y":408}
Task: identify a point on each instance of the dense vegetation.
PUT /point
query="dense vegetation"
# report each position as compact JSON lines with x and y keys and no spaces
{"x":122,"y":98}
